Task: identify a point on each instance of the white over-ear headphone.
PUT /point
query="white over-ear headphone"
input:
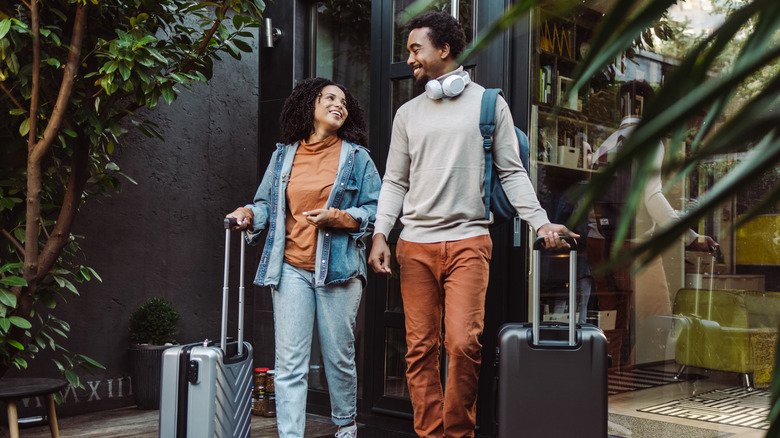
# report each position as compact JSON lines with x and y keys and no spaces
{"x":450,"y":86}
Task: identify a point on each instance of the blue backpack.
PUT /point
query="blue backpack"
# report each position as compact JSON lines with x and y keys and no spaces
{"x":495,"y":198}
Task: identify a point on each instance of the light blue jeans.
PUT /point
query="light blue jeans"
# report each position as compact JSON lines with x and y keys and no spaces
{"x":297,"y":305}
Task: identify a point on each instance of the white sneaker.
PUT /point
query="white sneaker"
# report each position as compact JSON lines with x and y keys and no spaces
{"x":347,"y":432}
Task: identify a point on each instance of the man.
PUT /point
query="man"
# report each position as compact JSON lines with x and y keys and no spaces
{"x":434,"y":180}
{"x":650,"y":288}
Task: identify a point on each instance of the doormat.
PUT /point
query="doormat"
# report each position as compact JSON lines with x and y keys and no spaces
{"x":638,"y":378}
{"x":733,"y":406}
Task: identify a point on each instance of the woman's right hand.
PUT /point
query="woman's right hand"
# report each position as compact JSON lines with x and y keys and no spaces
{"x":243,"y":218}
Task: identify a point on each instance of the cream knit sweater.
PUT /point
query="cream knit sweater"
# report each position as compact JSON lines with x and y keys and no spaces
{"x":434,"y":178}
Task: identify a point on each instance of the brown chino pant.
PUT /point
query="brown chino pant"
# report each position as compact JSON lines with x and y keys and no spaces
{"x":449,"y":279}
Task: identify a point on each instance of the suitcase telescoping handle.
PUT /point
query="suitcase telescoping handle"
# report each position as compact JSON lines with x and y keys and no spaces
{"x":538,"y":245}
{"x":229,"y":223}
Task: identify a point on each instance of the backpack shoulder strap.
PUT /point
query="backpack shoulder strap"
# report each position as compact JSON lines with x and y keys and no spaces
{"x":487,"y":125}
{"x":487,"y":116}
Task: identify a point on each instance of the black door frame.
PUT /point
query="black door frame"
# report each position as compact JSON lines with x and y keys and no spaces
{"x":505,"y":64}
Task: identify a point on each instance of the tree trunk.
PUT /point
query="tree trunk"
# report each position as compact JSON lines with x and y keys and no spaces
{"x":33,"y":271}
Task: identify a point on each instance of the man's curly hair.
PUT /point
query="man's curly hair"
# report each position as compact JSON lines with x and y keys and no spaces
{"x":444,"y":29}
{"x":297,"y":118}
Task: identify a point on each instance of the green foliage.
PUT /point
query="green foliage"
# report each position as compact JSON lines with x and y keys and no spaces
{"x":154,"y":322}
{"x":41,"y":327}
{"x":133,"y":55}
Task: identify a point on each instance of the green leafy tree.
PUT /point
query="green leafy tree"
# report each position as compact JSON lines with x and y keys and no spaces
{"x":73,"y":76}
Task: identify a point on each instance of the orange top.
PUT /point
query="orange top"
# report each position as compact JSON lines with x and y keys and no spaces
{"x":313,"y":174}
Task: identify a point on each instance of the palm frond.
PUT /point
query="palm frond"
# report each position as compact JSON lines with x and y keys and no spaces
{"x":616,"y":33}
{"x":689,"y":91}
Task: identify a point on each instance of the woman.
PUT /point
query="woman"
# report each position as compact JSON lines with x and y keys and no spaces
{"x":317,"y":199}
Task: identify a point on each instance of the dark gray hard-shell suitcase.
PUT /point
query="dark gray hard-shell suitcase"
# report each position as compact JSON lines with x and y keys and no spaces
{"x":552,"y":376}
{"x":207,"y":389}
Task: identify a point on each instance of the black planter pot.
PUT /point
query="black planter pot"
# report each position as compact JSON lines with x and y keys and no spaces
{"x":145,"y":370}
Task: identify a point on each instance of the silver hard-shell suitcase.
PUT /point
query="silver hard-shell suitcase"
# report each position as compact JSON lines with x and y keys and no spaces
{"x":552,"y":376}
{"x":206,"y":387}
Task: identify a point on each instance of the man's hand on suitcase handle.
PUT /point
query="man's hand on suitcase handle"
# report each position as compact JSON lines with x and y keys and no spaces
{"x":540,"y":243}
{"x":555,"y":236}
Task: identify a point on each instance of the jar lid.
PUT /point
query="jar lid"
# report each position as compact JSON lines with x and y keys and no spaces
{"x":270,"y":371}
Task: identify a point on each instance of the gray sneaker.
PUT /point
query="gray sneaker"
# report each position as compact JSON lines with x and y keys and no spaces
{"x":347,"y":432}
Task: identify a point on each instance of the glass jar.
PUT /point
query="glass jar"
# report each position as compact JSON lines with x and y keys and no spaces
{"x":269,"y":402}
{"x":259,"y":380}
{"x":259,"y":404}
{"x":269,"y":381}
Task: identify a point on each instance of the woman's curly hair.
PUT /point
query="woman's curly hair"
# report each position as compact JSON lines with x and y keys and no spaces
{"x":444,"y":29}
{"x":297,"y":118}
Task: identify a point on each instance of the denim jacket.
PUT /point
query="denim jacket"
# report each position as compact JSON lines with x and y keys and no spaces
{"x":341,"y":254}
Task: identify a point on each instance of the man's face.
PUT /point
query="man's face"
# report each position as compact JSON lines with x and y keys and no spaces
{"x":428,"y":62}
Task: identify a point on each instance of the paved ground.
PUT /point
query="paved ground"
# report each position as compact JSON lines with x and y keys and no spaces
{"x":133,"y":422}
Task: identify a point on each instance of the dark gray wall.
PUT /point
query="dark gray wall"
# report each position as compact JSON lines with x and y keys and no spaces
{"x":164,"y":236}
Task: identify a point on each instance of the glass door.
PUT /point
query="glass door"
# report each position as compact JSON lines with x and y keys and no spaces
{"x":338,"y":31}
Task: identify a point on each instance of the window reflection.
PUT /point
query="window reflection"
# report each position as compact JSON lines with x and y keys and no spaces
{"x":403,"y":90}
{"x":343,"y":53}
{"x":395,"y":333}
{"x":342,"y":30}
{"x":394,"y":302}
{"x":395,"y":363}
{"x":713,"y":312}
{"x":400,"y":33}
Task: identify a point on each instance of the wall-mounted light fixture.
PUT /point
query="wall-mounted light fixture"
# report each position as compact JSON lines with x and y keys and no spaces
{"x":270,"y":34}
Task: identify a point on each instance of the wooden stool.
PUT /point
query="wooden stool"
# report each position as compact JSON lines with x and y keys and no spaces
{"x":12,"y":389}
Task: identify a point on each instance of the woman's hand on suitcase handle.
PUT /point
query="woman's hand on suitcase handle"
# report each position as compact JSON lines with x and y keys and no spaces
{"x":243,"y":218}
{"x":553,"y":233}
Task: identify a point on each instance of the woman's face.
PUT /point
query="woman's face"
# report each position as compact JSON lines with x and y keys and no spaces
{"x":330,"y":110}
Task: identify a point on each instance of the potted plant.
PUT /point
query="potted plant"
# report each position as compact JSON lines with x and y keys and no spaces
{"x":152,"y":329}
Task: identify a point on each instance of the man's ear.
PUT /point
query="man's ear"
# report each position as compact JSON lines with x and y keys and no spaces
{"x":444,"y":51}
